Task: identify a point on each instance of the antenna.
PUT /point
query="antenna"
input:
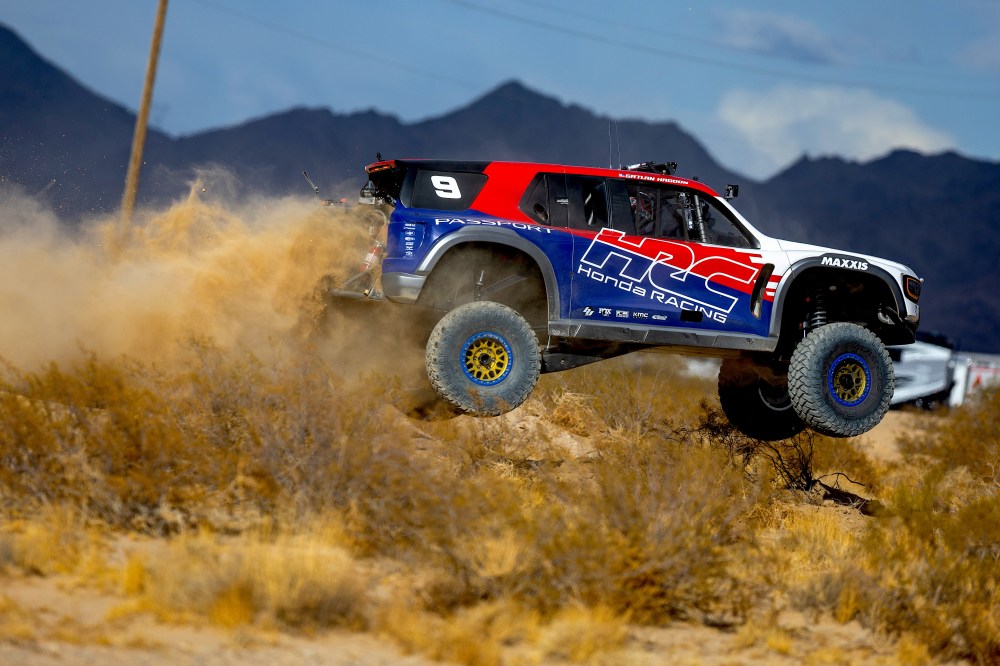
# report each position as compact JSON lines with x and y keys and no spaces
{"x":619,"y":142}
{"x":611,"y":151}
{"x":312,"y":184}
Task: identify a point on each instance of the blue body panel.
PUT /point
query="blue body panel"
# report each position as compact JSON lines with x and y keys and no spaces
{"x":630,"y":280}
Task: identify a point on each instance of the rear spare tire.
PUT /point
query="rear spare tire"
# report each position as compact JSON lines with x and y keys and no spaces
{"x":755,"y":400}
{"x":840,"y":380}
{"x":483,"y":358}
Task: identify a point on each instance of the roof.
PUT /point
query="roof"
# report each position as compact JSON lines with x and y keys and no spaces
{"x":529,"y":169}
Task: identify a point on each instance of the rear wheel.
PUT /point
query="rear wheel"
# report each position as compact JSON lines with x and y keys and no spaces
{"x":841,"y":380}
{"x":755,"y":400}
{"x":488,"y":273}
{"x":483,"y":358}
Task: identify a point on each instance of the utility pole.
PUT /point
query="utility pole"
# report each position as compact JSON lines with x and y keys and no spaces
{"x":139,"y":137}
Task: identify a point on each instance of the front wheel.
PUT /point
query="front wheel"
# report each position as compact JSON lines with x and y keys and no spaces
{"x":755,"y":400}
{"x":841,"y":380}
{"x":483,"y":358}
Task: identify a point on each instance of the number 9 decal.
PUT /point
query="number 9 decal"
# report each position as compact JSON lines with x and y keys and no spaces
{"x":446,"y":187}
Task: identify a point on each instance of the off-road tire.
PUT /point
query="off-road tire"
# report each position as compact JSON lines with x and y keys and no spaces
{"x":841,"y":380}
{"x":755,"y":400}
{"x":483,"y":358}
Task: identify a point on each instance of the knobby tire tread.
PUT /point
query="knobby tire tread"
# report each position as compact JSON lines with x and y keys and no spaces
{"x":807,"y":386}
{"x":446,"y":376}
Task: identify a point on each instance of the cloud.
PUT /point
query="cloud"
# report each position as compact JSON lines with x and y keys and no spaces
{"x":783,"y":123}
{"x":788,"y":37}
{"x":983,"y":54}
{"x":982,"y":51}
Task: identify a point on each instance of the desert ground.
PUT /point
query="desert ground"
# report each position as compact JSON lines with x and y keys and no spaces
{"x":201,"y":462}
{"x":68,"y":619}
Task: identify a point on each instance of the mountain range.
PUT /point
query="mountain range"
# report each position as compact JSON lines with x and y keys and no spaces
{"x":940,"y":214}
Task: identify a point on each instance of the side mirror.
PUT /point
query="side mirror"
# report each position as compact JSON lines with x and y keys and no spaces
{"x":732,"y":191}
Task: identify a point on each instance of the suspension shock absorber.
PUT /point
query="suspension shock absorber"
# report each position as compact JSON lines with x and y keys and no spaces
{"x":818,"y":316}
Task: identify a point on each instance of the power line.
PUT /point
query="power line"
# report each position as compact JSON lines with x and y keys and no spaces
{"x":714,"y":62}
{"x":370,"y":57}
{"x":716,"y":44}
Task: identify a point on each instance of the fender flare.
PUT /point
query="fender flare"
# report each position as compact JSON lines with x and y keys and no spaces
{"x":497,"y":236}
{"x":801,"y":266}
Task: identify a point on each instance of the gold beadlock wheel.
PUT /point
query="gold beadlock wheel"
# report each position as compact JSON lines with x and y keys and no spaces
{"x":486,"y":358}
{"x":849,"y":379}
{"x":840,"y":379}
{"x":483,"y":358}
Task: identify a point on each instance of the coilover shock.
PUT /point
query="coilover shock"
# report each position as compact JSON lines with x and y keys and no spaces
{"x":818,"y":316}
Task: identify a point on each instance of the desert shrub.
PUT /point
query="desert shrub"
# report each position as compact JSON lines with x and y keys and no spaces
{"x":929,"y":568}
{"x":836,"y":460}
{"x":659,"y":525}
{"x":579,"y":635}
{"x":790,"y":460}
{"x":474,"y":636}
{"x":650,"y":525}
{"x":643,"y":529}
{"x":89,"y":435}
{"x":16,"y":622}
{"x":644,"y":394}
{"x":158,"y":451}
{"x":573,"y":411}
{"x":968,"y":437}
{"x":940,"y":584}
{"x":297,"y":582}
{"x":54,"y":541}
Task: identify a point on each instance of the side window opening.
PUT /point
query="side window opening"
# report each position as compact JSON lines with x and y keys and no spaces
{"x":558,"y":200}
{"x":657,"y":211}
{"x":545,"y":200}
{"x":622,"y":217}
{"x":646,"y":211}
{"x":535,"y":202}
{"x":588,"y":202}
{"x":643,"y":209}
{"x":666,"y":212}
{"x":673,"y":217}
{"x":716,"y":226}
{"x":595,"y":204}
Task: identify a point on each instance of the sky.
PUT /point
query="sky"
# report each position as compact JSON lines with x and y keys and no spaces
{"x":760,"y":84}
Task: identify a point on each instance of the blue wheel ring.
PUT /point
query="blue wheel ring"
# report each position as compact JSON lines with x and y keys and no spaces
{"x":849,"y":380}
{"x":486,"y":358}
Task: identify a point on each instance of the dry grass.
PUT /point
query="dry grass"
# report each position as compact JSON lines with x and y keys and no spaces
{"x":290,"y":493}
{"x":55,"y":541}
{"x":16,"y":623}
{"x":296,"y":582}
{"x":928,"y":570}
{"x":286,"y":493}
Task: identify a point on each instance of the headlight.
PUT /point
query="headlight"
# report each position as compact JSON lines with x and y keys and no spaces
{"x":911,"y":287}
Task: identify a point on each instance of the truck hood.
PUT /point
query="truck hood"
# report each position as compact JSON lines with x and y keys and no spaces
{"x":797,"y":251}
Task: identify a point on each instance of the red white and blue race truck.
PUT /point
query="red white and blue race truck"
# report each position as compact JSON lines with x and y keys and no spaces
{"x":535,"y":268}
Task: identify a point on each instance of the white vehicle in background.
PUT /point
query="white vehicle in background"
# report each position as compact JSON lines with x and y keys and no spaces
{"x":931,"y":374}
{"x":973,"y":372}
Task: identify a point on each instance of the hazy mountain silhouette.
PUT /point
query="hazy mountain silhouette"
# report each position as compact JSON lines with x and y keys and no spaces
{"x":940,"y":214}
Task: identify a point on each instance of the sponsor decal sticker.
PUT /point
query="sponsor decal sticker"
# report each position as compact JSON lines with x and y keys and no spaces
{"x":676,"y":274}
{"x":843,"y":262}
{"x":604,"y":312}
{"x":588,"y":311}
{"x":486,"y":222}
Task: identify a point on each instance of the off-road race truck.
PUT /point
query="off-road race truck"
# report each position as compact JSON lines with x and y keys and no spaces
{"x":535,"y":268}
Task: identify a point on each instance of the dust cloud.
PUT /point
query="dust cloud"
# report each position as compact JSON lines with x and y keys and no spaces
{"x":239,"y":275}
